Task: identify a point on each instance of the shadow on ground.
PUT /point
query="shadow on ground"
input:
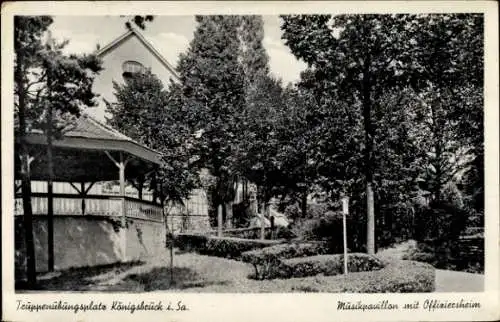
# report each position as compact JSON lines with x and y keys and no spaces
{"x":163,"y":278}
{"x":76,"y":279}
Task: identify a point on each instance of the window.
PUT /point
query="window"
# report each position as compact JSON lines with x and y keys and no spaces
{"x":132,"y":67}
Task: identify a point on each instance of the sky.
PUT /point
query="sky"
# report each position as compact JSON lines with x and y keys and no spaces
{"x":170,"y":35}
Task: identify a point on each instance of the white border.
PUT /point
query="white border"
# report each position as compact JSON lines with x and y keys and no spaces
{"x":259,"y":307}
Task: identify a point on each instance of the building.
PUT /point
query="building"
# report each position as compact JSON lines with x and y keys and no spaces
{"x":129,"y":53}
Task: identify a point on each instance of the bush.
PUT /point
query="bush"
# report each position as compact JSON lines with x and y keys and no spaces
{"x":440,"y":222}
{"x":190,"y":242}
{"x":232,"y":247}
{"x":254,"y":233}
{"x":329,"y":229}
{"x":285,"y":251}
{"x":466,"y":254}
{"x":282,"y":233}
{"x":314,"y":210}
{"x":396,"y":277}
{"x":329,"y":265}
{"x":268,"y":261}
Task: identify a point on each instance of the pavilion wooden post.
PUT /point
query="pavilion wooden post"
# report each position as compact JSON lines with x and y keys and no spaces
{"x":121,"y":169}
{"x":121,"y":175}
{"x":82,"y":194}
{"x":82,"y":191}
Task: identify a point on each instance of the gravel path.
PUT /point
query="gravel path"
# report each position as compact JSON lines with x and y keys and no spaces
{"x":452,"y":281}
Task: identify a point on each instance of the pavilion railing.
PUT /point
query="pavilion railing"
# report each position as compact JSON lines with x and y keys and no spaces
{"x":93,"y":205}
{"x":142,"y":209}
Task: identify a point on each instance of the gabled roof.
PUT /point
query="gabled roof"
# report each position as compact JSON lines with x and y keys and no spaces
{"x":134,"y":32}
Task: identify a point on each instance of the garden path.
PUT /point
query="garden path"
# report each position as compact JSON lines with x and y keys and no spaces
{"x":453,"y":281}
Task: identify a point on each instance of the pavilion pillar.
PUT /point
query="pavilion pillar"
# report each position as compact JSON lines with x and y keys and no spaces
{"x":123,"y":231}
{"x":82,"y":193}
{"x":121,"y":165}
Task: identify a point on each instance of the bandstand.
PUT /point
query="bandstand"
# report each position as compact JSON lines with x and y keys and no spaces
{"x":91,"y":228}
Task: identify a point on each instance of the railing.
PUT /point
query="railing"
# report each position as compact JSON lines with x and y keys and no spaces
{"x":143,"y":209}
{"x":94,"y":205}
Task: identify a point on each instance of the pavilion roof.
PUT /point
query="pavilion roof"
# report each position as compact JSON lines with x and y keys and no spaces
{"x":88,"y":127}
{"x":90,"y":134}
{"x":82,"y":154}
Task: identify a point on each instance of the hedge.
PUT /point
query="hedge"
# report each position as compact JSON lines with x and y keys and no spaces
{"x":285,"y":251}
{"x":397,"y":277}
{"x":190,"y":242}
{"x":268,"y":261}
{"x":230,"y":247}
{"x":329,"y":265}
{"x":255,"y":232}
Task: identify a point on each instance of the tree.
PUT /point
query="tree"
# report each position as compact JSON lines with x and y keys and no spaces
{"x":139,"y":21}
{"x":254,"y":62}
{"x":149,"y":114}
{"x":213,"y":97}
{"x":51,"y":89}
{"x":368,"y":59}
{"x":64,"y":88}
{"x":391,"y":65}
{"x":27,"y":44}
{"x":258,"y":158}
{"x":451,"y":94}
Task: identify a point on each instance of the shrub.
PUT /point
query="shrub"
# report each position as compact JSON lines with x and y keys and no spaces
{"x":268,"y":261}
{"x":466,"y":254}
{"x":232,"y":247}
{"x":285,"y":251}
{"x":329,"y":265}
{"x":281,"y":233}
{"x":314,"y":210}
{"x":396,"y":277}
{"x":190,"y":242}
{"x":440,"y":222}
{"x":329,"y":229}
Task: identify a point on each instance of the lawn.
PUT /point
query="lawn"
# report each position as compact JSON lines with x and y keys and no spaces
{"x":191,"y":273}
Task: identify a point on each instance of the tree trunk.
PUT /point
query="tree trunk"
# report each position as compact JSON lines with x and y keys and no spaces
{"x":25,"y":176}
{"x":264,"y":212}
{"x":436,"y":132}
{"x":50,"y":200}
{"x":219,"y":220}
{"x":263,"y":220}
{"x":50,"y":172}
{"x":229,"y":214}
{"x":370,"y":203}
{"x":303,"y":203}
